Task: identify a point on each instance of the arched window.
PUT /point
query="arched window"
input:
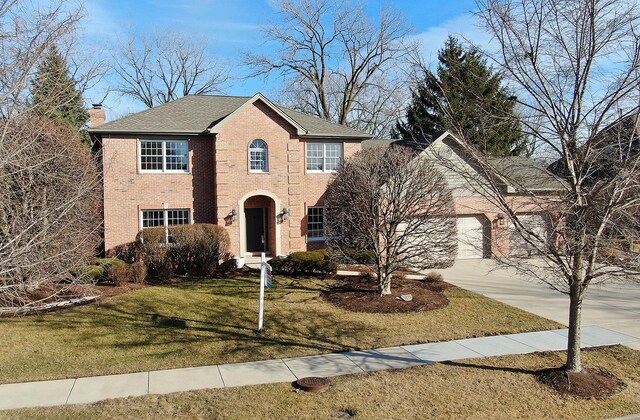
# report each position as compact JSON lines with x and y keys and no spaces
{"x":258,"y":156}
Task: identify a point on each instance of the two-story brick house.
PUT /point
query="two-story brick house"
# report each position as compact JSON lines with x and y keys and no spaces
{"x":261,"y":171}
{"x":242,"y":162}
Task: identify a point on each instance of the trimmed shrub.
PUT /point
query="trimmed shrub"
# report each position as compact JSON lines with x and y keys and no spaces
{"x":361,"y":257}
{"x":108,"y":262}
{"x":138,"y":272}
{"x":155,"y":252}
{"x":128,"y":252}
{"x":194,"y":249}
{"x":297,"y":268}
{"x":119,"y":274}
{"x":318,"y":255}
{"x":94,"y":273}
{"x":351,"y":256}
{"x":198,"y":249}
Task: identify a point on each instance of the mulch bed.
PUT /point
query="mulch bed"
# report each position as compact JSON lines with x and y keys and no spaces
{"x":360,"y":294}
{"x":590,"y":383}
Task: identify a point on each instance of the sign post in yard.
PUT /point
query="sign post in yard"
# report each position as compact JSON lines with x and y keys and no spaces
{"x":265,"y":279}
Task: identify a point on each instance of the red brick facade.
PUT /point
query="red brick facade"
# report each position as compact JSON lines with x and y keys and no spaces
{"x":219,"y":186}
{"x":219,"y":181}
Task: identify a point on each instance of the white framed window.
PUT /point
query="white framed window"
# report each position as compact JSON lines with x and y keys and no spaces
{"x":166,"y":217}
{"x":258,"y":156}
{"x":323,"y":157}
{"x":163,"y":156}
{"x":315,"y":223}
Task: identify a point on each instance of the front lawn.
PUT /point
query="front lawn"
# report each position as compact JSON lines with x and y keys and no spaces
{"x":491,"y":388}
{"x":209,"y":322}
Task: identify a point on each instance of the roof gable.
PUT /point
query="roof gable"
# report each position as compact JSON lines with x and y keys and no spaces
{"x":515,"y":173}
{"x":203,"y":114}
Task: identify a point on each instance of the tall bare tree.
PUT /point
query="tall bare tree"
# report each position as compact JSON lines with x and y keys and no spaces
{"x":26,"y":33}
{"x":49,"y":187}
{"x":342,"y":65}
{"x":155,"y":68}
{"x":399,"y":208}
{"x":576,"y":65}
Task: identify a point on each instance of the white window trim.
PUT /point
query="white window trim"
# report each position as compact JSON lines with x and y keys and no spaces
{"x":316,"y":238}
{"x":165,"y":216}
{"x":164,"y":158}
{"x":324,"y":157}
{"x":266,"y":158}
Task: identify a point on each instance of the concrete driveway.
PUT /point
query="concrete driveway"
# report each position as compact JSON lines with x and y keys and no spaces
{"x":613,"y":306}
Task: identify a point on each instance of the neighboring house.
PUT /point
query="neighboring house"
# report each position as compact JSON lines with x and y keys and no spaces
{"x":245,"y":163}
{"x":484,"y":230}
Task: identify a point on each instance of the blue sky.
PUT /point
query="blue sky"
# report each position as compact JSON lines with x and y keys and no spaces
{"x":232,"y":27}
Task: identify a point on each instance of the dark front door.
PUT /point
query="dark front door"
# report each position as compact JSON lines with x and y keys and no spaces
{"x":256,"y":229}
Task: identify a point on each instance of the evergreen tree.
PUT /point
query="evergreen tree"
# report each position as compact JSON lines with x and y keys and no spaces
{"x":465,"y":95}
{"x":54,"y":94}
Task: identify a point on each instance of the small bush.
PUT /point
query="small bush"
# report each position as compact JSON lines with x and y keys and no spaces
{"x":119,"y":274}
{"x":433,"y":276}
{"x":108,"y":262}
{"x":128,"y":252}
{"x":194,"y":249}
{"x":198,"y":249}
{"x":361,"y":257}
{"x":94,"y":273}
{"x":138,"y":272}
{"x":351,"y":256}
{"x":296,"y":268}
{"x":318,"y":255}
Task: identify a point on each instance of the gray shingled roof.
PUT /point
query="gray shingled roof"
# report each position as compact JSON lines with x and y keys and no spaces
{"x":194,"y":114}
{"x":525,"y":174}
{"x":519,"y":172}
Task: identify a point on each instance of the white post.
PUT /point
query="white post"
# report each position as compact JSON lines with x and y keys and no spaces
{"x":263,"y":274}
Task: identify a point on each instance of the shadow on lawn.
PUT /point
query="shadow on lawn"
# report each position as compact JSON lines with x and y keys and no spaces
{"x":217,"y":317}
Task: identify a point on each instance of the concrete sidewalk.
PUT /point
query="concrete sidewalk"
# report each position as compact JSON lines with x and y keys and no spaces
{"x":614,"y":306}
{"x":97,"y":388}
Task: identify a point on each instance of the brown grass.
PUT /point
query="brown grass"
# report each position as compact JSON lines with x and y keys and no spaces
{"x":213,"y":321}
{"x":491,"y":388}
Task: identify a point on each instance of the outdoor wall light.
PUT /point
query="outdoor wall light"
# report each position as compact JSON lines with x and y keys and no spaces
{"x":234,"y":215}
{"x":285,"y":213}
{"x":500,"y":219}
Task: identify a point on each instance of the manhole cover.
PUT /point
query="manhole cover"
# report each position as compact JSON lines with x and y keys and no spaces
{"x":313,"y":384}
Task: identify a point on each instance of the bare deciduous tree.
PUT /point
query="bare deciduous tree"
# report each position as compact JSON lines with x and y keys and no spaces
{"x":49,"y":206}
{"x":399,"y":208}
{"x":49,"y":187}
{"x":26,"y":32}
{"x":343,"y":66}
{"x":160,"y":67}
{"x":576,"y":65}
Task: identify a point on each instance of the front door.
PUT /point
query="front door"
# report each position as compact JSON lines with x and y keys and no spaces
{"x":256,"y":229}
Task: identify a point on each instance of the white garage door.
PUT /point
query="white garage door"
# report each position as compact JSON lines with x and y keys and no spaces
{"x":537,"y":225}
{"x":470,"y":237}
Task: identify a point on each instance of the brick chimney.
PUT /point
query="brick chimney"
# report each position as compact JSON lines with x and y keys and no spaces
{"x":97,"y":116}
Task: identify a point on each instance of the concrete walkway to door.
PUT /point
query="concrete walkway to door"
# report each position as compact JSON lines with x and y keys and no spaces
{"x":612,"y":306}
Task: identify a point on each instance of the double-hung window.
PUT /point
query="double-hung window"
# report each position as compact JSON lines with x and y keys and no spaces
{"x":315,"y":223}
{"x":323,"y":157}
{"x":164,"y":156}
{"x":166,"y":218}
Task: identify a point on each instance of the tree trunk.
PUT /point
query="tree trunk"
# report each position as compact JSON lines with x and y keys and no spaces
{"x":574,"y":363}
{"x":384,"y":284}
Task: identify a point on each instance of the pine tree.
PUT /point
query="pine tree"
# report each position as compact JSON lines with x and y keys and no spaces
{"x":465,"y":95}
{"x":54,"y":94}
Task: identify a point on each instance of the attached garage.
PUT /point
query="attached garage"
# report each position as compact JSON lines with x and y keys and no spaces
{"x":471,"y":237}
{"x":536,"y":224}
